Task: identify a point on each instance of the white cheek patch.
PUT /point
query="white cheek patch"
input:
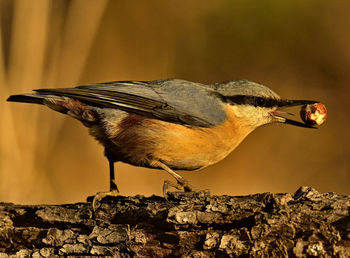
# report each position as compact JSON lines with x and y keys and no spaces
{"x":251,"y":116}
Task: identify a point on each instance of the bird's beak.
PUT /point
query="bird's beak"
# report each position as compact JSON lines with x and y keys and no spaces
{"x":290,"y":103}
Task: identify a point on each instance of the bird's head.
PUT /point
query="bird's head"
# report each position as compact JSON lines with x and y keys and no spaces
{"x":255,"y":105}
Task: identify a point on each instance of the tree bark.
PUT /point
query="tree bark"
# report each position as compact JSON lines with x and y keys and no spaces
{"x":193,"y":224}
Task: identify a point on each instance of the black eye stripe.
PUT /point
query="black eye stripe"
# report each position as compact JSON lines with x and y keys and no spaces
{"x":251,"y":100}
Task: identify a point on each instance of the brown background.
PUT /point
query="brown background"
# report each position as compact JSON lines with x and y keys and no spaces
{"x":300,"y":49}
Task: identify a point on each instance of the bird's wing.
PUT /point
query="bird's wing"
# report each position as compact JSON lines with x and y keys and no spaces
{"x":171,"y":100}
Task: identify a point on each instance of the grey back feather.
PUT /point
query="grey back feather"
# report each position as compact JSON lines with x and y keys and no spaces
{"x":171,"y":100}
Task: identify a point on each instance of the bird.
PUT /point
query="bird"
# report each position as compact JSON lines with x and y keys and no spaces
{"x":169,"y":124}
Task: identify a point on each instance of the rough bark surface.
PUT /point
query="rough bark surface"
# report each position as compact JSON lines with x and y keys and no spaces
{"x":304,"y":224}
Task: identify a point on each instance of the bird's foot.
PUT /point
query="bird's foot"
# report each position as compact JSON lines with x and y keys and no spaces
{"x":100,"y":195}
{"x":181,"y":185}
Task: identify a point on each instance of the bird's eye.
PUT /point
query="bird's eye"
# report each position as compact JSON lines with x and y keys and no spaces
{"x":261,"y":102}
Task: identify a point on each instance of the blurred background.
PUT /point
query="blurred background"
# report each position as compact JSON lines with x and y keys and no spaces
{"x":300,"y":49}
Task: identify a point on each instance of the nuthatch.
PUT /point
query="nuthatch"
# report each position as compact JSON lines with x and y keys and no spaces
{"x":170,"y":124}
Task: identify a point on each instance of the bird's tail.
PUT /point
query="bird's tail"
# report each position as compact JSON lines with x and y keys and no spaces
{"x":27,"y":98}
{"x":64,"y":105}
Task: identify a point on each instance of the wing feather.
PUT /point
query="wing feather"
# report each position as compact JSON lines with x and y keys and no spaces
{"x":142,"y":98}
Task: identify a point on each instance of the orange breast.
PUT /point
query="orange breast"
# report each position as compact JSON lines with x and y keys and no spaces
{"x":140,"y":140}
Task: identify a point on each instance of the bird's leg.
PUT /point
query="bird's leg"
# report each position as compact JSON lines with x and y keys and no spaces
{"x":181,"y":183}
{"x":113,"y":188}
{"x":112,"y":184}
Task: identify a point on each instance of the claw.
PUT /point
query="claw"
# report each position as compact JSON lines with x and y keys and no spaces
{"x":99,"y":196}
{"x":182,"y":185}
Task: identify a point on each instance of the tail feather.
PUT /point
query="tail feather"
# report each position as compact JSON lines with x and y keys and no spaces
{"x":27,"y":98}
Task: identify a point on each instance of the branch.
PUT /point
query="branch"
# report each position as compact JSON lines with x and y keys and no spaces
{"x":193,"y":224}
